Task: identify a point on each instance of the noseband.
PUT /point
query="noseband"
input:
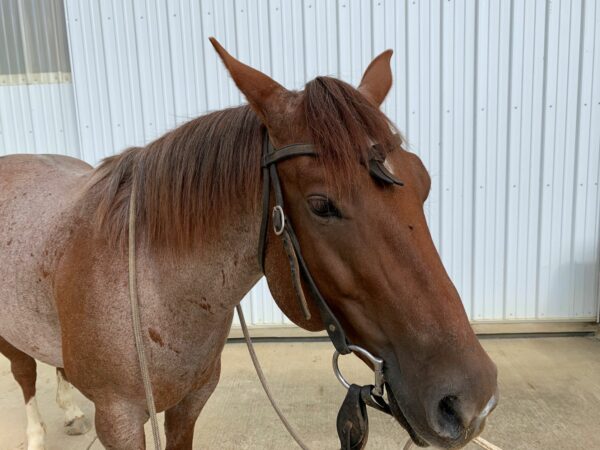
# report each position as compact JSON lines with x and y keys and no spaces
{"x":352,"y":421}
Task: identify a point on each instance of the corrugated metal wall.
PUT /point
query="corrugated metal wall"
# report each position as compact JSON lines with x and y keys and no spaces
{"x":501,"y":99}
{"x":37,"y":107}
{"x":38,"y":118}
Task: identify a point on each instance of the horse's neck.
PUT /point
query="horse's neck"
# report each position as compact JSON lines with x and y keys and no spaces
{"x":217,"y":275}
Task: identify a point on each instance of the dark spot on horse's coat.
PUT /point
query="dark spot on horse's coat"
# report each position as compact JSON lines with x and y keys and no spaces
{"x":202,"y":303}
{"x":155,"y":336}
{"x":410,"y":227}
{"x":31,"y":254}
{"x":205,"y":305}
{"x":9,"y":242}
{"x":45,"y":273}
{"x":173,"y":349}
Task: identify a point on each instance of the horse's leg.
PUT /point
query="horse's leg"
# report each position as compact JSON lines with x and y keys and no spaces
{"x":181,"y":418}
{"x":23,"y":368}
{"x":119,"y":423}
{"x":75,"y":421}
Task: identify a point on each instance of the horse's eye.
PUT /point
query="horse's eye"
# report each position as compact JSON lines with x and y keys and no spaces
{"x":323,"y":207}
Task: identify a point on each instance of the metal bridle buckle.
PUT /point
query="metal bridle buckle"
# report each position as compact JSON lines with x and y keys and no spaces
{"x":278,"y":220}
{"x":377,"y":369}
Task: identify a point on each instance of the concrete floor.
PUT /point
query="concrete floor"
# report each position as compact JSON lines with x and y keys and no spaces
{"x":550,"y":399}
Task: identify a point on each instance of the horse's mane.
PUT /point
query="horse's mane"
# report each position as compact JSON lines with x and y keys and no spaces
{"x":192,"y":180}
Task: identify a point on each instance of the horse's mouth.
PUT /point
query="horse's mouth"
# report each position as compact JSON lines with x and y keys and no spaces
{"x":401,"y":418}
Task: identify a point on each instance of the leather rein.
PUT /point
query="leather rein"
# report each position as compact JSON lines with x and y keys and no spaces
{"x":352,"y":420}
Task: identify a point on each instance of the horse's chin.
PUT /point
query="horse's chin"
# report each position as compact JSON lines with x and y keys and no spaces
{"x":401,"y":418}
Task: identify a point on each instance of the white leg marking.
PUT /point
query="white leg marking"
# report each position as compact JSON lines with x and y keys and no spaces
{"x":75,"y":422}
{"x":35,"y":427}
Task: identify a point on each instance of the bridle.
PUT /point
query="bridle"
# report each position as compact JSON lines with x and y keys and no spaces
{"x":352,"y":421}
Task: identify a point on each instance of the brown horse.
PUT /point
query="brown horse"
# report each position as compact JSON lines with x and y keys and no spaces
{"x":63,"y":234}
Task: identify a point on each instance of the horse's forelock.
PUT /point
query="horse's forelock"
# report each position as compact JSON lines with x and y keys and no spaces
{"x":343,"y":125}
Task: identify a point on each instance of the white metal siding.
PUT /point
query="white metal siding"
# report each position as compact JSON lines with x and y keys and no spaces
{"x":501,"y":99}
{"x":38,"y":118}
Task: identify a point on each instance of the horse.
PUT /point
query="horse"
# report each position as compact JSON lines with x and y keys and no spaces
{"x":63,"y":260}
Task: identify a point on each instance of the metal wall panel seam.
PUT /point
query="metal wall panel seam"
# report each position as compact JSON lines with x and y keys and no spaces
{"x":542,"y":157}
{"x":508,"y":159}
{"x":474,"y":145}
{"x":577,"y":151}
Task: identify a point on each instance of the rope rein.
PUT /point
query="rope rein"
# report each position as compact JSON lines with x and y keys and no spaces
{"x":263,"y":380}
{"x":137,"y":329}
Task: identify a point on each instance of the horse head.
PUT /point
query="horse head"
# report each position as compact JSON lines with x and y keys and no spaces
{"x":369,"y":250}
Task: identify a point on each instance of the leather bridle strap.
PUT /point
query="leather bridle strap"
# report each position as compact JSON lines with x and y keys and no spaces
{"x":283,"y":228}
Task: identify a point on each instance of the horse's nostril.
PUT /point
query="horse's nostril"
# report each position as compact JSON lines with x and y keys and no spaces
{"x":449,"y":418}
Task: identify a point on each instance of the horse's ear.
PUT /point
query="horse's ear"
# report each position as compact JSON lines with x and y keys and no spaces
{"x":377,"y":80}
{"x":261,"y":91}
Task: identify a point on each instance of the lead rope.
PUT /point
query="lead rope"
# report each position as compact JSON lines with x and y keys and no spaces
{"x":263,"y":381}
{"x":135,"y":316}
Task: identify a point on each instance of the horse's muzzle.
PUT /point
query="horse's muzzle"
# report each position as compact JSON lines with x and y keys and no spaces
{"x":455,"y":423}
{"x":449,"y":421}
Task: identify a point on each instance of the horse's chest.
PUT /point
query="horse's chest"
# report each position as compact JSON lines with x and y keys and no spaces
{"x":184,"y":357}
